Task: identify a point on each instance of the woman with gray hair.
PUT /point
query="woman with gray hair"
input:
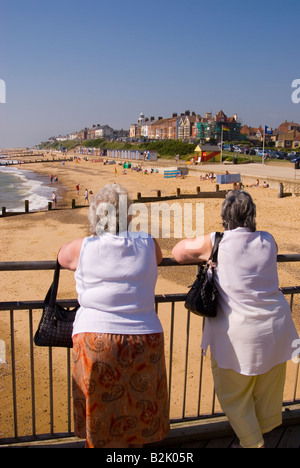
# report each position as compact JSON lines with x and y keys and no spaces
{"x":119,"y":376}
{"x":252,"y":336}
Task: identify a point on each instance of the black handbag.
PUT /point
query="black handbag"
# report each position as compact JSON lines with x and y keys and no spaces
{"x":56,"y":325}
{"x":203,"y":296}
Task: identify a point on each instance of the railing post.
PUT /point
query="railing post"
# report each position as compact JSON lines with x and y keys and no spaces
{"x":13,"y":373}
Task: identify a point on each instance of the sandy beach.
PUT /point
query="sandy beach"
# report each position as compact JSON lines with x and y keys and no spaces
{"x":38,"y":236}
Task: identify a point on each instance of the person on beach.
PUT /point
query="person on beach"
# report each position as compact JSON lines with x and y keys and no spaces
{"x":119,"y":376}
{"x":54,"y":199}
{"x":86,"y":195}
{"x":77,"y":189}
{"x":252,"y":336}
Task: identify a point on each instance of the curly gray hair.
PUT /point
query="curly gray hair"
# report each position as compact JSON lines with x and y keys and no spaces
{"x":109,"y":210}
{"x":238,"y":210}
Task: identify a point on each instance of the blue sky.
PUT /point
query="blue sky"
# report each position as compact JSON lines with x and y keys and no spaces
{"x":69,"y":64}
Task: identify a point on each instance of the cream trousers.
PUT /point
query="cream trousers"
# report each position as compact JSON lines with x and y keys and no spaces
{"x":252,"y":404}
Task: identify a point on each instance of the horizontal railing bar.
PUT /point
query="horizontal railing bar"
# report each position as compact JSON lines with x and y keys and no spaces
{"x":71,"y":303}
{"x":26,"y":305}
{"x":35,"y":438}
{"x":50,"y":265}
{"x":290,"y":289}
{"x":288,"y":258}
{"x":20,"y":266}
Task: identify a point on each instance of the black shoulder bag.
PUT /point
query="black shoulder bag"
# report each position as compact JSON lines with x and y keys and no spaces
{"x":203,"y":296}
{"x":56,"y":325}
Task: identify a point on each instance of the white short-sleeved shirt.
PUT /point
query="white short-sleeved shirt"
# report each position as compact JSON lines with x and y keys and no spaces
{"x":115,"y":282}
{"x":253,"y":330}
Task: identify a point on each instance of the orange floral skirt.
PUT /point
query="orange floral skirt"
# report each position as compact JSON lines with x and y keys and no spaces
{"x":120,"y":388}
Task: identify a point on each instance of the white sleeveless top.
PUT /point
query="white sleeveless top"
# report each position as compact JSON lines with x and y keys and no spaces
{"x":253,"y":330}
{"x":115,"y":282}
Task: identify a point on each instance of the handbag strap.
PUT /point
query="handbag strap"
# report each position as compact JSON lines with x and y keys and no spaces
{"x":54,"y":286}
{"x":214,"y":253}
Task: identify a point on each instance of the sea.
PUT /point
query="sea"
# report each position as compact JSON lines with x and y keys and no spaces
{"x":18,"y":185}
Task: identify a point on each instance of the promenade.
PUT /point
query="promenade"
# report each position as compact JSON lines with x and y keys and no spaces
{"x":276,"y":170}
{"x":286,"y":171}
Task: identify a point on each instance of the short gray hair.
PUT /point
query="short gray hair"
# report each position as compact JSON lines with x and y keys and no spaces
{"x":104,"y":211}
{"x":238,"y":210}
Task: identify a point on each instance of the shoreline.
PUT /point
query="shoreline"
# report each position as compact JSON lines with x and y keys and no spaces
{"x":38,"y":194}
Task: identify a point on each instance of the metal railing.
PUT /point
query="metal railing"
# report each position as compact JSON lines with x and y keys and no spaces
{"x":36,"y":398}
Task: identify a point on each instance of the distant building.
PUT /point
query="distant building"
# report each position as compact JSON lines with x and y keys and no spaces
{"x":132,"y":130}
{"x":83,"y":134}
{"x":288,"y":140}
{"x":142,"y":128}
{"x":288,"y":127}
{"x":72,"y":136}
{"x":141,"y":119}
{"x":159,"y":129}
{"x":253,"y":134}
{"x":104,"y":131}
{"x":97,"y":131}
{"x":61,"y":138}
{"x":121,"y":133}
{"x":210,"y":127}
{"x":186,"y":124}
{"x":287,"y":135}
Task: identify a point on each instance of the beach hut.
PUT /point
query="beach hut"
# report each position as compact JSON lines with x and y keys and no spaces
{"x":204,"y":153}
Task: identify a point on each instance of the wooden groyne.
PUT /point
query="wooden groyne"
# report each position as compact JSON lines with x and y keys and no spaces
{"x":180,"y":196}
{"x":139,"y":199}
{"x":5,"y":213}
{"x":35,"y":161}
